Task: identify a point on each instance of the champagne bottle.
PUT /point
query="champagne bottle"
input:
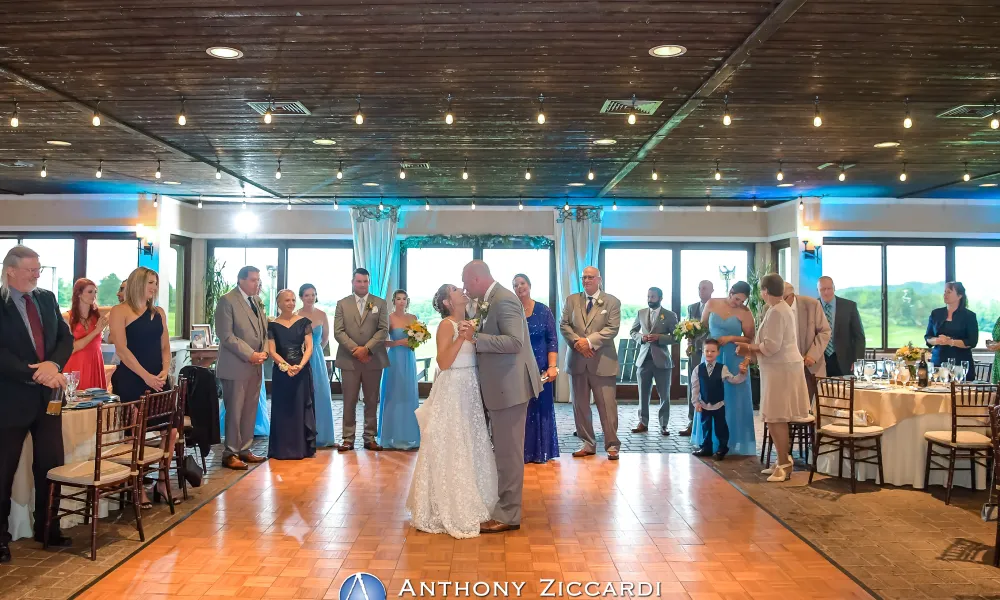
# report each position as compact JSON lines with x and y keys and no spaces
{"x":922,"y":373}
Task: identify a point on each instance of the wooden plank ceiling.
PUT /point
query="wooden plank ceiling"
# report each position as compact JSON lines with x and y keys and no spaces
{"x":138,"y":58}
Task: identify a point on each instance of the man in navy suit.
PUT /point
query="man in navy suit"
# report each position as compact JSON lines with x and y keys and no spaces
{"x":35,"y":343}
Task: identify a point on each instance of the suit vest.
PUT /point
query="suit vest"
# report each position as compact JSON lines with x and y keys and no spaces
{"x":711,"y":388}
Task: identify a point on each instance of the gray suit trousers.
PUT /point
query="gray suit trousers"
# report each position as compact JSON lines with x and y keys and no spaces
{"x":352,"y":382}
{"x":508,"y":448}
{"x":648,"y":372}
{"x":240,"y":397}
{"x":603,"y":389}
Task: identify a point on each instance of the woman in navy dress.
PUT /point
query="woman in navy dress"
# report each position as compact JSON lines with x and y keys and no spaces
{"x":142,"y":343}
{"x":397,"y":422}
{"x":541,"y":442}
{"x":293,"y":411}
{"x":953,"y":330}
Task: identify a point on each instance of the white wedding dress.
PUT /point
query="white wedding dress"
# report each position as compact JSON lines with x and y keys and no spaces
{"x":454,"y":485}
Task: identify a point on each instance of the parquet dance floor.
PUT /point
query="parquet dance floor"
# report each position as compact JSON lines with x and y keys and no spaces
{"x":300,"y":529}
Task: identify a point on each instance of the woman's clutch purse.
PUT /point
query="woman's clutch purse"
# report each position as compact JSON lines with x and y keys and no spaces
{"x":862,"y":418}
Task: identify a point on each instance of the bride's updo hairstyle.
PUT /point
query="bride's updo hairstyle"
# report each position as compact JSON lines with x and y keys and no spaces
{"x":438,"y":303}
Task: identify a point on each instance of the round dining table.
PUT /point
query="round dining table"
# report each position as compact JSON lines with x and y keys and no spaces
{"x":906,"y":414}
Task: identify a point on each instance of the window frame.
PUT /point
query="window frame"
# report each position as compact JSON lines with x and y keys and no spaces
{"x":80,"y":239}
{"x":185,"y":299}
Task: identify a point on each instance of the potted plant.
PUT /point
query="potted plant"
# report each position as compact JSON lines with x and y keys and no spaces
{"x":757,"y":308}
{"x":215,"y":287}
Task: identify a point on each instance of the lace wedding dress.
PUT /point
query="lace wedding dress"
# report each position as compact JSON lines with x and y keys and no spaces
{"x":454,"y":485}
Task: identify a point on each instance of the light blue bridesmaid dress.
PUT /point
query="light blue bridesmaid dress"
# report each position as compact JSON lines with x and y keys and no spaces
{"x":738,"y":397}
{"x":397,"y":423}
{"x":325,"y":434}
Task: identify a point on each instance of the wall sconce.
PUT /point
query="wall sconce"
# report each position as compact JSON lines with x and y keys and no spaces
{"x":146,"y":237}
{"x":810,"y":250}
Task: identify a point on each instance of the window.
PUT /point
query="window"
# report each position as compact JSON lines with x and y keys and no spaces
{"x":265,"y":259}
{"x":6,"y":244}
{"x":982,"y":287}
{"x":915,"y":284}
{"x":426,"y":270}
{"x":57,"y":257}
{"x":784,"y":262}
{"x":629,"y":273}
{"x":713,"y":265}
{"x":506,"y":262}
{"x":329,"y":270}
{"x":109,"y":262}
{"x":174,"y":271}
{"x":857,"y":274}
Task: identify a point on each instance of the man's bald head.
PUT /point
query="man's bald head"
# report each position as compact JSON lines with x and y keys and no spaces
{"x":591,"y":280}
{"x":476,"y":279}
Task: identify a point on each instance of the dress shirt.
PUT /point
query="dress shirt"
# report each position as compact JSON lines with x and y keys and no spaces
{"x":18,"y":297}
{"x":654,"y":314}
{"x":361,"y":301}
{"x":593,"y":299}
{"x":726,"y":376}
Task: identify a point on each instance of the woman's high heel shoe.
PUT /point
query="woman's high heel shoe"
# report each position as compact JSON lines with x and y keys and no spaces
{"x":781,"y":473}
{"x":788,"y":467}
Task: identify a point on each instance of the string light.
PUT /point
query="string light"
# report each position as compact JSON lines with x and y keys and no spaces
{"x":802,"y":204}
{"x":527,"y":174}
{"x":755,"y":203}
{"x":158,"y":173}
{"x":907,"y":121}
{"x":200,"y":203}
{"x":727,"y":119}
{"x":902,"y":175}
{"x":718,"y":173}
{"x":448,"y":117}
{"x":340,"y":170}
{"x":44,"y":172}
{"x":566,"y":206}
{"x":614,"y":205}
{"x":289,"y":205}
{"x":402,"y":171}
{"x":817,"y":119}
{"x":182,"y":118}
{"x":381,"y":206}
{"x":14,"y":119}
{"x":100,"y":170}
{"x":427,"y":205}
{"x":967,"y":176}
{"x":660,"y":208}
{"x":520,"y":204}
{"x":631,"y":112}
{"x":156,"y":200}
{"x":465,"y":170}
{"x":843,"y":173}
{"x":708,"y":206}
{"x":995,"y":122}
{"x":473,"y":206}
{"x":541,"y":109}
{"x":336,"y":205}
{"x":359,"y":117}
{"x":590,"y":172}
{"x":654,"y":175}
{"x":780,"y":175}
{"x":218,"y":170}
{"x":267,"y":113}
{"x":277,"y":174}
{"x":244,"y":205}
{"x":96,"y":119}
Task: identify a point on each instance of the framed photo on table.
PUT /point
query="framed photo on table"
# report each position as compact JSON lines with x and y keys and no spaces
{"x":201,"y":336}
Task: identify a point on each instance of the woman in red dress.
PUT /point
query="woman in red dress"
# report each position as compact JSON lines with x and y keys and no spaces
{"x":87,"y":322}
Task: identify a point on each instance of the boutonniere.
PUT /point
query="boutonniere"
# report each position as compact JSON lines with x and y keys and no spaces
{"x":599,"y":302}
{"x":661,"y":316}
{"x":258,"y":302}
{"x":372,"y":308}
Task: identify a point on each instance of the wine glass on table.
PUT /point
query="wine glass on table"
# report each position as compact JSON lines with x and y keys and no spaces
{"x":72,"y":381}
{"x":859,"y":368}
{"x":960,"y":370}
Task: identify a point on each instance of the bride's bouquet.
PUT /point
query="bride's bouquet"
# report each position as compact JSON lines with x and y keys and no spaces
{"x":416,"y":334}
{"x":689,"y":329}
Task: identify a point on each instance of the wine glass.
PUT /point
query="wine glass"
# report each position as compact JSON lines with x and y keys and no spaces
{"x":961,"y":370}
{"x":965,"y":367}
{"x":880,"y":370}
{"x":869,"y":371}
{"x":859,"y":368}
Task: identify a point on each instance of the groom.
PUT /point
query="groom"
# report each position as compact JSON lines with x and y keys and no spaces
{"x":508,"y":376}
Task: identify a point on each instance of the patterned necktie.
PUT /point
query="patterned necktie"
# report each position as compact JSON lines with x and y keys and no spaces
{"x":590,"y":303}
{"x":828,"y":310}
{"x":649,"y":321}
{"x":37,"y":332}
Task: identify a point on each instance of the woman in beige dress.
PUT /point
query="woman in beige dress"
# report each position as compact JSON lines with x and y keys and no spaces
{"x":783,"y":392}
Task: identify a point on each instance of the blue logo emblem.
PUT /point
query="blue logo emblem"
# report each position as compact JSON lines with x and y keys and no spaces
{"x":362,"y":586}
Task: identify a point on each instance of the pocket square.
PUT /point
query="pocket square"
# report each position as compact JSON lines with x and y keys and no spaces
{"x":604,"y":312}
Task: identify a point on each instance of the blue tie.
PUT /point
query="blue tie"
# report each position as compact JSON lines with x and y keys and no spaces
{"x":828,"y":309}
{"x":590,"y":303}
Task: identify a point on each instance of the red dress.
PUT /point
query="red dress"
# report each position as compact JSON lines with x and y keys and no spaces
{"x":89,"y":361}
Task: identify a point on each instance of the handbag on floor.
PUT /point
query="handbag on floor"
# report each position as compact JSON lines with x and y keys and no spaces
{"x":192,"y":471}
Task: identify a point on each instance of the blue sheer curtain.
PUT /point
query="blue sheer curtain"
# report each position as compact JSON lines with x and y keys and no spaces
{"x":376,"y":247}
{"x":578,"y":243}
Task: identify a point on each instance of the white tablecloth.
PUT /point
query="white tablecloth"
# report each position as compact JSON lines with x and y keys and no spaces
{"x":79,"y":428}
{"x":906,"y":415}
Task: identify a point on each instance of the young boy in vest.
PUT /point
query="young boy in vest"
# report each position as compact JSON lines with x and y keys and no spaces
{"x":708,"y":396}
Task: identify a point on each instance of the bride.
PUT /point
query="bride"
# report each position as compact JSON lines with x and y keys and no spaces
{"x":454,"y":485}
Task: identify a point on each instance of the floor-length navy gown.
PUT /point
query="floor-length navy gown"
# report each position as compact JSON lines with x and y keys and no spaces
{"x":541,"y":442}
{"x":293,"y":412}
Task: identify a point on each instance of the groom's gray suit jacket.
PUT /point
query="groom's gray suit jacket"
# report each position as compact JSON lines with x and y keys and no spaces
{"x":507,"y":367}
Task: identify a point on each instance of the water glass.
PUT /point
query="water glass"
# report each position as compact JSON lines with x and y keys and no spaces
{"x":965,"y":367}
{"x":960,"y":371}
{"x":869,"y":371}
{"x":72,"y":381}
{"x":859,"y":368}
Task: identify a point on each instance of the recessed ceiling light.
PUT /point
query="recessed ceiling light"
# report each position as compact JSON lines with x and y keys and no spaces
{"x":324,"y":142}
{"x":224,"y":52}
{"x":172,"y":182}
{"x":605,"y":142}
{"x":370,"y":184}
{"x":58,"y":143}
{"x":886,"y":144}
{"x":987,"y":185}
{"x":667,"y":51}
{"x":786,"y":185}
{"x":576,"y":184}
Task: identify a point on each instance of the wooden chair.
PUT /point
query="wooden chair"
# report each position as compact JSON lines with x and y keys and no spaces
{"x":114,"y":470}
{"x":970,"y":408}
{"x":801,"y":430}
{"x":836,"y":431}
{"x":995,"y":431}
{"x":984,"y":372}
{"x":183,"y":425}
{"x":160,"y":418}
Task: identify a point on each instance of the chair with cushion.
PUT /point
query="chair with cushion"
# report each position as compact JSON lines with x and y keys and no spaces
{"x":112,"y":471}
{"x":801,"y":430}
{"x":995,"y":431}
{"x":836,"y":431}
{"x":968,"y":439}
{"x":984,"y":371}
{"x":160,"y":418}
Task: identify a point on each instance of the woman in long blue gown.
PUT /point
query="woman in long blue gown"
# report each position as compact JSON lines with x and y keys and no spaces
{"x":541,"y":442}
{"x":397,"y":423}
{"x":730,"y":321}
{"x":325,"y":435}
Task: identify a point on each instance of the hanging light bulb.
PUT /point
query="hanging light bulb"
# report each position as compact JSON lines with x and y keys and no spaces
{"x":780,"y":176}
{"x":473,"y":206}
{"x":14,"y":119}
{"x":200,"y":203}
{"x":402,"y":171}
{"x":995,"y":122}
{"x":907,"y":121}
{"x":966,"y":176}
{"x":158,"y":173}
{"x":100,"y":170}
{"x":902,"y":175}
{"x":708,"y":207}
{"x":359,"y":117}
{"x":268,"y":113}
{"x":541,"y":109}
{"x":520,"y":204}
{"x":614,"y":205}
{"x":566,"y":206}
{"x":340,"y":170}
{"x":660,"y":208}
{"x":156,"y":200}
{"x":277,"y":174}
{"x":755,"y":203}
{"x":380,"y":205}
{"x":182,"y":118}
{"x":654,"y":175}
{"x":527,"y":173}
{"x":817,"y":120}
{"x":427,"y":205}
{"x":218,"y":170}
{"x":842,"y":176}
{"x":718,"y":173}
{"x":727,"y":119}
{"x":45,"y":172}
{"x":465,"y":170}
{"x":631,"y":112}
{"x":244,"y":205}
{"x":802,"y":204}
{"x":336,"y":205}
{"x":96,"y":119}
{"x":448,"y":117}
{"x":289,"y":205}
{"x":590,"y":172}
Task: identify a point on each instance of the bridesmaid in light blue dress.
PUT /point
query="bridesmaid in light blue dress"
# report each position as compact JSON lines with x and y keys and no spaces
{"x":730,"y":321}
{"x":397,"y":423}
{"x":325,"y":436}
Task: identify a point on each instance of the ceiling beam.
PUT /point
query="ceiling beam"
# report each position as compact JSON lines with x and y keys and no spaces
{"x":761,"y":34}
{"x":128,"y":128}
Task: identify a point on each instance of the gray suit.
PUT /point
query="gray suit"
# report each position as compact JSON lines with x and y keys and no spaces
{"x":351,"y":329}
{"x":596,"y":374}
{"x":241,"y":333}
{"x":509,"y":377}
{"x":654,"y":361}
{"x":694,"y":312}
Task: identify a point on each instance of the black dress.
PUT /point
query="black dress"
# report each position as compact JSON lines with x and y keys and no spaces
{"x":143,"y":337}
{"x":964,"y":325}
{"x":293,"y":412}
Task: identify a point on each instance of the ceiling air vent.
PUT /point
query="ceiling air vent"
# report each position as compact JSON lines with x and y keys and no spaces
{"x":415,"y":165}
{"x":968,"y":111}
{"x":284,"y":108}
{"x":621,"y":107}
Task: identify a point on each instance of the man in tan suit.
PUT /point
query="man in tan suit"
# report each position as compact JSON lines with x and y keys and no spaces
{"x":813,"y":334}
{"x":589,"y":324}
{"x":361,"y":326}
